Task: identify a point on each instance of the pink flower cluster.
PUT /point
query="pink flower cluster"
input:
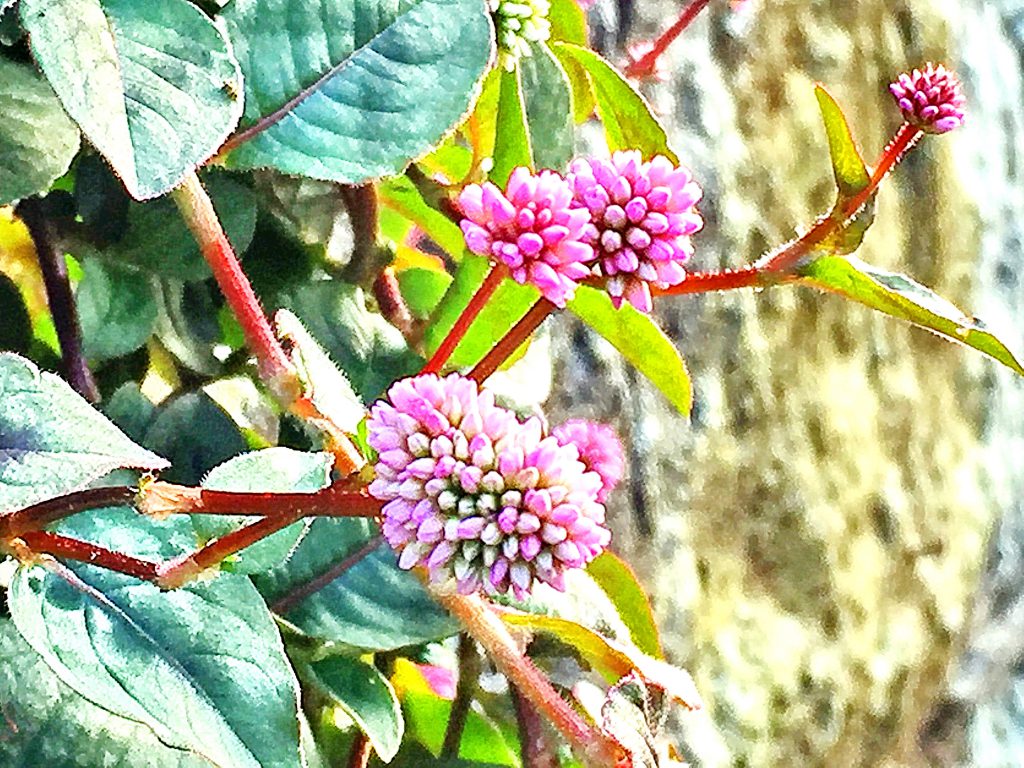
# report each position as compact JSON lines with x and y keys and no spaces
{"x":622,"y":219}
{"x":931,"y":99}
{"x":475,"y":494}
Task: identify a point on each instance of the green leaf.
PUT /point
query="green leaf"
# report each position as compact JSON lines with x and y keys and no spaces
{"x":157,"y":240}
{"x":371,"y":605}
{"x":618,"y":581}
{"x":346,"y":103}
{"x":273,"y":470}
{"x":568,"y":22}
{"x":899,"y":296}
{"x":850,"y":172}
{"x":37,"y":140}
{"x":150,"y":84}
{"x":51,"y":440}
{"x":203,"y":666}
{"x":511,"y":136}
{"x":369,"y":350}
{"x":43,"y":722}
{"x":423,"y":289}
{"x":187,"y":324}
{"x":16,"y":328}
{"x":366,"y":696}
{"x":195,"y":434}
{"x":627,"y":118}
{"x":583,"y":101}
{"x":640,"y":341}
{"x":548,"y":101}
{"x":322,"y":382}
{"x":117,"y":310}
{"x":401,"y":195}
{"x":508,"y":304}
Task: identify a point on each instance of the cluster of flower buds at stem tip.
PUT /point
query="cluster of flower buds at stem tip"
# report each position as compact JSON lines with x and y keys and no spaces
{"x":623,"y":220}
{"x":475,"y":494}
{"x":931,"y":99}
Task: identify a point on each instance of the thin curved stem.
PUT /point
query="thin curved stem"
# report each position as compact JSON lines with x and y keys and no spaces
{"x":645,"y":64}
{"x":465,"y":320}
{"x":296,"y":595}
{"x":512,"y":340}
{"x":40,"y":515}
{"x":469,"y":670}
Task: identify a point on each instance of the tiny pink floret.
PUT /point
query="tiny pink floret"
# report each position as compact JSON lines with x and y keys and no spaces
{"x":472,"y":493}
{"x":532,"y":229}
{"x":600,"y":450}
{"x":931,"y":99}
{"x":642,"y":217}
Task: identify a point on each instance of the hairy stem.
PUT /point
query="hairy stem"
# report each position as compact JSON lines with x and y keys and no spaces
{"x":359,"y":754}
{"x":512,"y":340}
{"x":469,"y":670}
{"x":35,"y":213}
{"x":274,"y":367}
{"x":38,"y":516}
{"x":393,"y":307}
{"x":533,"y":743}
{"x":465,"y":320}
{"x":44,"y":542}
{"x":593,"y":747}
{"x":296,"y":595}
{"x":369,"y":257}
{"x":644,"y":66}
{"x":160,"y":499}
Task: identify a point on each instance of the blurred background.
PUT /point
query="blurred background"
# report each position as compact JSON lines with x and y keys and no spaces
{"x":835,"y":543}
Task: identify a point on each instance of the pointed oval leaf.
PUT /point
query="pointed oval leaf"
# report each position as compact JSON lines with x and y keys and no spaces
{"x":549,"y":110}
{"x":626,"y":115}
{"x":117,"y":309}
{"x":152,"y":85}
{"x":272,"y":470}
{"x":899,"y":296}
{"x":347,"y":102}
{"x":511,"y":135}
{"x":401,"y":195}
{"x":847,"y":164}
{"x":37,"y":139}
{"x":640,"y":341}
{"x":367,"y":696}
{"x":618,"y":581}
{"x":51,"y":440}
{"x":203,"y":666}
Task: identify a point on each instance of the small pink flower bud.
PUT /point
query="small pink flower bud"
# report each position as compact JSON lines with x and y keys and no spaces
{"x":931,"y":99}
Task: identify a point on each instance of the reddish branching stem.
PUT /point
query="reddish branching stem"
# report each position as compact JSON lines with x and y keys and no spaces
{"x":295,"y":596}
{"x":512,"y":340}
{"x":644,"y":66}
{"x":465,"y":320}
{"x":85,"y":552}
{"x":160,"y":499}
{"x":533,"y":742}
{"x":392,"y":304}
{"x":38,"y":516}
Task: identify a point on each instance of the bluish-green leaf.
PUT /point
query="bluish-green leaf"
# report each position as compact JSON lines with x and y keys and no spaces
{"x":43,"y":722}
{"x":899,"y":296}
{"x":511,"y":136}
{"x":371,"y":604}
{"x":347,"y":100}
{"x":273,"y":470}
{"x":51,"y":440}
{"x":508,"y":304}
{"x":37,"y":139}
{"x":367,"y":696}
{"x":640,"y":341}
{"x":627,"y":117}
{"x":203,"y":666}
{"x":117,"y":309}
{"x":847,"y":164}
{"x":152,"y":85}
{"x":549,"y":111}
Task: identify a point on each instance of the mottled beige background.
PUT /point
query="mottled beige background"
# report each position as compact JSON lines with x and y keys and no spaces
{"x":815,"y":536}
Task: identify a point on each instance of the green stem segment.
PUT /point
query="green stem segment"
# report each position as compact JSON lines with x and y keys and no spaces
{"x":465,"y":320}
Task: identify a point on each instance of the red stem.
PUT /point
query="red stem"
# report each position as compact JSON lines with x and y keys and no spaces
{"x":198,"y":212}
{"x":465,"y":320}
{"x":339,"y":500}
{"x":292,"y":598}
{"x":85,"y":552}
{"x":645,"y":64}
{"x":359,"y":754}
{"x":511,"y":341}
{"x":40,"y":515}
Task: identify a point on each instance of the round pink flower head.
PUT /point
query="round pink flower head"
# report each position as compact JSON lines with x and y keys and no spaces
{"x":600,"y":451}
{"x":642,"y":216}
{"x":532,"y":229}
{"x":931,"y":99}
{"x":476,"y":495}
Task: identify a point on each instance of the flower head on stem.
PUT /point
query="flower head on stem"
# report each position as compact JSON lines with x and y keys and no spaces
{"x":532,"y":228}
{"x":475,"y":494}
{"x":931,"y":99}
{"x":642,"y":216}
